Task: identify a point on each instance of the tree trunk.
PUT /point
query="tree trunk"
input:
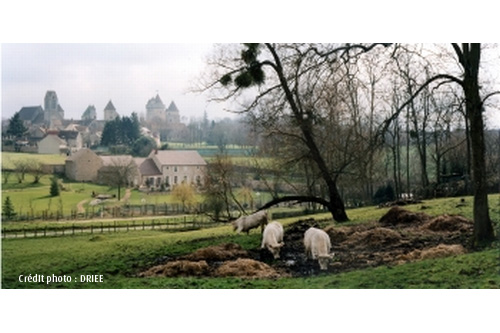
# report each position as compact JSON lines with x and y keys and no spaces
{"x":483,"y":229}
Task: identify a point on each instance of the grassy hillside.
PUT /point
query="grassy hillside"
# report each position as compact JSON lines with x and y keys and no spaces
{"x":120,"y":257}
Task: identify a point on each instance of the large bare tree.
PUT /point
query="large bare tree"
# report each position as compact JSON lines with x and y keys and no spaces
{"x":295,"y":77}
{"x":468,"y":56}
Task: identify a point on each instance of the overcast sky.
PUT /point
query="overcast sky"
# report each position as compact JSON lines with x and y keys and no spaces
{"x":127,"y":74}
{"x":93,"y":74}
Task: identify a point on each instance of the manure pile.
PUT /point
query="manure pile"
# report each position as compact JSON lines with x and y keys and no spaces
{"x":399,"y":236}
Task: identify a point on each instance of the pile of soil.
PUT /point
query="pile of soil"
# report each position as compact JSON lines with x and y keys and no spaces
{"x":223,"y":260}
{"x":399,"y":216}
{"x":399,"y":236}
{"x":178,"y":268}
{"x":450,"y":223}
{"x":246,"y":268}
{"x":440,"y":251}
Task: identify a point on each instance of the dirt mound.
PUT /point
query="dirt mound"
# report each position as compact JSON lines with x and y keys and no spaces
{"x":178,"y":268}
{"x":397,"y":215}
{"x":449,"y":223}
{"x":246,"y":268}
{"x":338,"y":234}
{"x":376,"y":237}
{"x":221,"y":252}
{"x":439,"y":251}
{"x":399,"y":237}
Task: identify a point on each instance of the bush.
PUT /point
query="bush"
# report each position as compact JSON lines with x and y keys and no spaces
{"x":384,"y":194}
{"x":54,"y":187}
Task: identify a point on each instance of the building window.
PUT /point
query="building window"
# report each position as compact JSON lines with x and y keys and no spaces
{"x":175,"y":179}
{"x":175,"y":168}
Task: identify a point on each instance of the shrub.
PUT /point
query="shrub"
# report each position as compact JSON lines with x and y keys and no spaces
{"x":54,"y":187}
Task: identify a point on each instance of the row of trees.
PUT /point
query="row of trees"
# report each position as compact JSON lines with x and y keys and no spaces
{"x":334,"y":110}
{"x":122,"y":135}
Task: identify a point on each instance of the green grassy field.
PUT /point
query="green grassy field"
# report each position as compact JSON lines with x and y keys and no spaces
{"x":9,"y":158}
{"x":119,"y":257}
{"x":29,"y":197}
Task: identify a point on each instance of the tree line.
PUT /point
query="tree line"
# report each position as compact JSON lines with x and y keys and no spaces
{"x":338,"y":113}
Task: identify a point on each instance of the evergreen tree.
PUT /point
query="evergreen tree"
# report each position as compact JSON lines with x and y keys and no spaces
{"x":121,"y":131}
{"x":54,"y":187}
{"x":111,"y":133}
{"x":16,"y":127}
{"x":8,"y":209}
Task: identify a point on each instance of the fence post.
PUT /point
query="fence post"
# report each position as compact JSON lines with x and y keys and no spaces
{"x":45,"y":231}
{"x":102,"y":228}
{"x":24,"y":231}
{"x":91,"y":229}
{"x":73,"y":229}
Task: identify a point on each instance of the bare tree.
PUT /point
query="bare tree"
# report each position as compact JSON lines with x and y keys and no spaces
{"x":218,"y":188}
{"x":120,"y":172}
{"x":296,"y":77}
{"x":35,"y":168}
{"x":468,"y":56}
{"x":21,"y":167}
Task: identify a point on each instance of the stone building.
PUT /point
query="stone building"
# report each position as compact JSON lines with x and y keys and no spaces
{"x":83,"y":165}
{"x":178,"y":166}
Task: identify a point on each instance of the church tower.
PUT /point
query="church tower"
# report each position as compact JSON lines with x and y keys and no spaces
{"x":52,"y":110}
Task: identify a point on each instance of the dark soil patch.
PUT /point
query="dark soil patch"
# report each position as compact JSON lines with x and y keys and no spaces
{"x":399,"y":236}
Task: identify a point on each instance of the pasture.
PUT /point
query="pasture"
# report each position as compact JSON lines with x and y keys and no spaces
{"x":123,"y":260}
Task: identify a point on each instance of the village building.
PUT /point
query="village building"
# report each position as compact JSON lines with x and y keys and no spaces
{"x":60,"y":142}
{"x":150,"y":175}
{"x":179,"y":166}
{"x":162,"y":169}
{"x":52,"y":144}
{"x":32,"y":115}
{"x":83,"y":166}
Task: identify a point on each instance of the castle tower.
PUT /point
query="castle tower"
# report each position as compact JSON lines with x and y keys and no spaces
{"x":89,"y":114}
{"x":172,"y":114}
{"x":110,"y":112}
{"x":155,"y":109}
